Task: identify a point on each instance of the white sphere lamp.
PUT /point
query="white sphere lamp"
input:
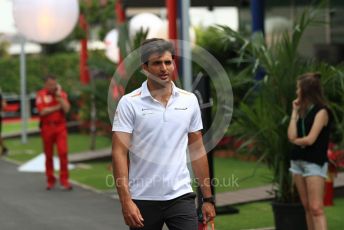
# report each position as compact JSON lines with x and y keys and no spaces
{"x":45,"y":21}
{"x":146,"y":21}
{"x":111,"y":46}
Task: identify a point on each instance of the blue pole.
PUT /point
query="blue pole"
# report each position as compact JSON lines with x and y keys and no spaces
{"x":257,"y":12}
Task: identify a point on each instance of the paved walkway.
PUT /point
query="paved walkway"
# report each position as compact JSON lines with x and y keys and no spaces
{"x":90,"y":155}
{"x":244,"y":196}
{"x":258,"y":194}
{"x":25,"y":204}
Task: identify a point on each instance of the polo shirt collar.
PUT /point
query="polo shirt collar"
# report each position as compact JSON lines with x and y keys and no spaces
{"x":45,"y":91}
{"x":145,"y":92}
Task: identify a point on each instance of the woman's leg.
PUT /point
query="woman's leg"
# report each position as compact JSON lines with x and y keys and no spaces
{"x":300,"y":183}
{"x":315,"y":188}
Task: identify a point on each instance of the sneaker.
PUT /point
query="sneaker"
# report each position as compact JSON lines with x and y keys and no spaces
{"x":50,"y":183}
{"x":50,"y":186}
{"x":67,"y":186}
{"x":4,"y":151}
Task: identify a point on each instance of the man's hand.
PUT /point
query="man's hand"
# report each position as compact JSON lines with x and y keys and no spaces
{"x":208,"y":211}
{"x":58,"y":90}
{"x":132,"y":215}
{"x":200,"y":166}
{"x":65,"y":106}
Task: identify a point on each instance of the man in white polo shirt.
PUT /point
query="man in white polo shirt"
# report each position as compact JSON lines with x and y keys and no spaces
{"x":156,"y":124}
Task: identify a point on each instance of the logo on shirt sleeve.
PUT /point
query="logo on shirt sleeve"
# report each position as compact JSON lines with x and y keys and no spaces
{"x":47,"y":99}
{"x":116,"y":119}
{"x":180,"y":108}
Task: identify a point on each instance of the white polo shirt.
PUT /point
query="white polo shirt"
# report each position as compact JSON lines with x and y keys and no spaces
{"x":158,"y":152}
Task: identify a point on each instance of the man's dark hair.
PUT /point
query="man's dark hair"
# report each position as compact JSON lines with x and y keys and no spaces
{"x":153,"y":46}
{"x":49,"y":77}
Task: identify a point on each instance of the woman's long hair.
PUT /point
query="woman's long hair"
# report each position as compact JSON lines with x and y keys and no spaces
{"x":311,"y":91}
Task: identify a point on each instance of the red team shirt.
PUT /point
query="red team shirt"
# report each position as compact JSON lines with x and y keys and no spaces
{"x":46,"y":99}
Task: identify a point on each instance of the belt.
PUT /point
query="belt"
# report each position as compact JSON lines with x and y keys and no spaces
{"x":53,"y":122}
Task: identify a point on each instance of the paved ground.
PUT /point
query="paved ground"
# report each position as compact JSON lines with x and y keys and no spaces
{"x":25,"y":204}
{"x":259,"y":193}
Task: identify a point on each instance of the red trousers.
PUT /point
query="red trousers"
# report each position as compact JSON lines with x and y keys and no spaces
{"x":55,"y":134}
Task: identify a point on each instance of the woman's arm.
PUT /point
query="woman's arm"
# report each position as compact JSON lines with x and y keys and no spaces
{"x":292,"y":129}
{"x":320,"y":121}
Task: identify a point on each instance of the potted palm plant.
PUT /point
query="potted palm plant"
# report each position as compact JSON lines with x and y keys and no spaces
{"x":262,"y":117}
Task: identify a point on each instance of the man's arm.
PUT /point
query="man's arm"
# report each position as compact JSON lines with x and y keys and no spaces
{"x":49,"y":110}
{"x":64,"y":104}
{"x":199,"y":162}
{"x":45,"y":110}
{"x":62,"y":99}
{"x":120,"y":143}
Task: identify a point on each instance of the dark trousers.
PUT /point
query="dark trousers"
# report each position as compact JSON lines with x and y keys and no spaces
{"x":178,"y":214}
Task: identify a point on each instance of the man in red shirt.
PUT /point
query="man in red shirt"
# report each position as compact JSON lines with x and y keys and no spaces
{"x":52,"y":104}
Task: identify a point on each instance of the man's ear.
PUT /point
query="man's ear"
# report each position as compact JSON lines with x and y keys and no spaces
{"x":144,"y":66}
{"x":144,"y":70}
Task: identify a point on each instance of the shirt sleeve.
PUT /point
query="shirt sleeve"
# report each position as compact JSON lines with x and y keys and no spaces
{"x":196,"y":119}
{"x":124,"y":117}
{"x":64,"y":95}
{"x":39,"y":102}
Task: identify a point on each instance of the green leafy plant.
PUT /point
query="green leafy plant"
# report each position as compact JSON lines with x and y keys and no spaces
{"x":262,"y":117}
{"x":95,"y":95}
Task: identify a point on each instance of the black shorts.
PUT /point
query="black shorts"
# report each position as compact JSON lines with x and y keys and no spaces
{"x":178,"y":214}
